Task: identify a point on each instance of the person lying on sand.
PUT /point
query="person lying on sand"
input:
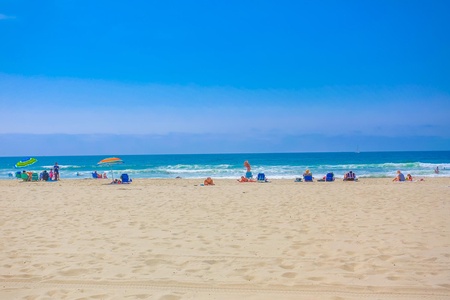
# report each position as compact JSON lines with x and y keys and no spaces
{"x":244,"y":179}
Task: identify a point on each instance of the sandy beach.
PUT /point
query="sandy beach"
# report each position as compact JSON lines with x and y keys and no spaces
{"x":173,"y":239}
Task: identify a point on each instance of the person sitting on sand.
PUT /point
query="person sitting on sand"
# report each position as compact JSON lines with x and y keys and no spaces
{"x":399,"y":177}
{"x":208,"y":181}
{"x":350,"y":176}
{"x":45,"y":175}
{"x":104,"y":175}
{"x":409,"y":177}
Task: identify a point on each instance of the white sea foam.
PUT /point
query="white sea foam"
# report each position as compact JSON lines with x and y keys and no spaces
{"x":231,"y":166}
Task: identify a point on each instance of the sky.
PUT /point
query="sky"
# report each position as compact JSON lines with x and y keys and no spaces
{"x":157,"y":77}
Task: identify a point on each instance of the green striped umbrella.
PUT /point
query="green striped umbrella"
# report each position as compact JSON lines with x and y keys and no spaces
{"x":25,"y":162}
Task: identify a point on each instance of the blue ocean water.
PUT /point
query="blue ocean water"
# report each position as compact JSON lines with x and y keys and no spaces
{"x":274,"y":165}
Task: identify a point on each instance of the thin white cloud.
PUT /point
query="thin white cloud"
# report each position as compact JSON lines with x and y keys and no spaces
{"x":73,"y":106}
{"x":5,"y":17}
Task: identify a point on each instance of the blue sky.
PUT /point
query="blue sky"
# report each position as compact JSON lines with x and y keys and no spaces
{"x":138,"y":77}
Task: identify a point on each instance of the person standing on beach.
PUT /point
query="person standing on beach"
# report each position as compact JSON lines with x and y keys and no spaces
{"x":56,"y":171}
{"x":247,"y":166}
{"x":248,"y":174}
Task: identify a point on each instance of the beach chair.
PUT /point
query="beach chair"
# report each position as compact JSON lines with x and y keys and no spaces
{"x":308,"y":178}
{"x":35,"y":177}
{"x":24,"y":177}
{"x":261,"y":177}
{"x":19,"y":175}
{"x":350,"y":176}
{"x":329,"y":177}
{"x":125,"y":178}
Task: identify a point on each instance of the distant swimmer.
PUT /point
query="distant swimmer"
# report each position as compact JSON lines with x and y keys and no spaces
{"x":436,"y":170}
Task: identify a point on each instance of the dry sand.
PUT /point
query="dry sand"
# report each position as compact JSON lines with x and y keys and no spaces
{"x":174,"y":239}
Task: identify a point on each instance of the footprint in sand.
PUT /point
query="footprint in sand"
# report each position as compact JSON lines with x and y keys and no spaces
{"x":286,"y":267}
{"x":169,"y":297}
{"x":141,"y":296}
{"x":348,"y":267}
{"x":315,"y":278}
{"x":154,"y":262}
{"x":289,"y":275}
{"x":249,"y":277}
{"x":73,"y":272}
{"x":99,"y":296}
{"x":384,"y":257}
{"x":393,"y":278}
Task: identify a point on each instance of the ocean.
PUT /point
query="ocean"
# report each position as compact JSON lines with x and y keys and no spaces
{"x":230,"y":166}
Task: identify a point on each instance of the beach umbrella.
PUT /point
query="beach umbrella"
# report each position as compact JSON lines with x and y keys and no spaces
{"x":25,"y":162}
{"x":110,"y":161}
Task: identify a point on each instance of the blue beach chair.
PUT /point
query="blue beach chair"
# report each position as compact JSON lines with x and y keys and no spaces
{"x":329,"y":177}
{"x":261,"y":177}
{"x":308,"y":178}
{"x":125,"y":178}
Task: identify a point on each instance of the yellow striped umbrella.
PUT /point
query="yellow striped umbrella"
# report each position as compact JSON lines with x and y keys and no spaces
{"x":109,"y":162}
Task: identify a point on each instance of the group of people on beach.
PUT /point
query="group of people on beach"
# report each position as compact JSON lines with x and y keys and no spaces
{"x":50,"y":175}
{"x":98,"y":175}
{"x":401,"y":177}
{"x":349,"y":176}
{"x":248,"y":174}
{"x":53,"y":174}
